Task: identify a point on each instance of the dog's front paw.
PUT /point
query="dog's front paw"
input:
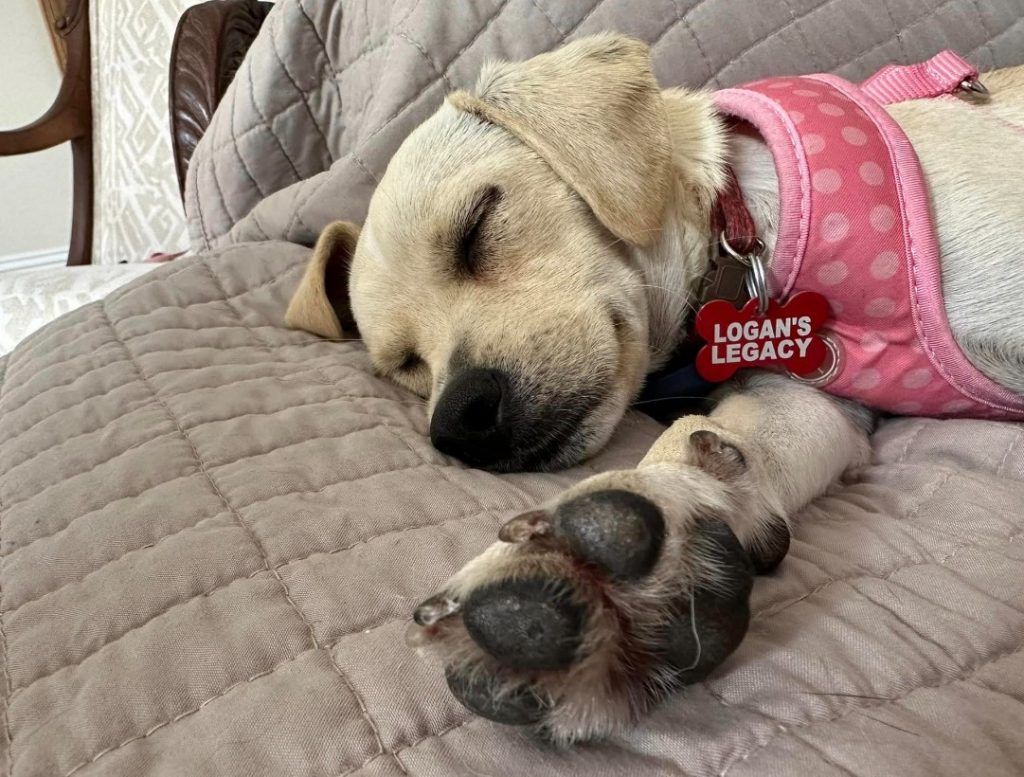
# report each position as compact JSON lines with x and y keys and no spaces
{"x":585,"y":615}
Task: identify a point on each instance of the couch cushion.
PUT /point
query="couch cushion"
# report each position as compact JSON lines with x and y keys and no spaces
{"x":329,"y":90}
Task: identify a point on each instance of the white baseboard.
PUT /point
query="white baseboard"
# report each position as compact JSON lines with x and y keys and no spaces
{"x":48,"y":257}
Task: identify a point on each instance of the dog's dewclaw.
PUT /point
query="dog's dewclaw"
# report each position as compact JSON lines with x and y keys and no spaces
{"x":535,"y":523}
{"x":434,"y":609}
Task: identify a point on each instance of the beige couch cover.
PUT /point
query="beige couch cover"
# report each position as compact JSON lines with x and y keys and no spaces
{"x":214,"y":530}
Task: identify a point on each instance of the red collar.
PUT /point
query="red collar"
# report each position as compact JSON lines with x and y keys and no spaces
{"x":730,"y":221}
{"x":731,"y":218}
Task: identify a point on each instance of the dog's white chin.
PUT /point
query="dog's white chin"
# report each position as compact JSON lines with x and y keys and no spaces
{"x":600,"y":426}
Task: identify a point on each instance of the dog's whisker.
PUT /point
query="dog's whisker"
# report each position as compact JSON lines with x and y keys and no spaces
{"x":668,"y":399}
{"x":618,"y":240}
{"x":623,"y":240}
{"x":684,"y":298}
{"x":693,"y":629}
{"x":614,"y":243}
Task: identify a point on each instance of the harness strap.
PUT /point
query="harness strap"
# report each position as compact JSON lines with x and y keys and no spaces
{"x":945,"y":73}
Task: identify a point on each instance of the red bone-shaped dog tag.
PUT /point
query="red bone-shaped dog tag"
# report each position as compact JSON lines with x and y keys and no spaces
{"x":785,"y":335}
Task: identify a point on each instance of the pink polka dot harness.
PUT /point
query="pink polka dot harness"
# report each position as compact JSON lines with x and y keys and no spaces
{"x":856,"y":226}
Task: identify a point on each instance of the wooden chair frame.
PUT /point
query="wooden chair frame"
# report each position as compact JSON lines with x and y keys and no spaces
{"x":209,"y":44}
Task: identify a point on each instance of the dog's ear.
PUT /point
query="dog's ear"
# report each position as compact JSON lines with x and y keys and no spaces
{"x":320,"y":304}
{"x":715,"y":456}
{"x":592,"y":110}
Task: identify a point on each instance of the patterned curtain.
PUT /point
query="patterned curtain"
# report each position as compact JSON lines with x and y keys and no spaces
{"x":138,"y":208}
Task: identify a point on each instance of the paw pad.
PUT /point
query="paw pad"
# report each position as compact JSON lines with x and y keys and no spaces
{"x":711,"y":623}
{"x":487,"y":697}
{"x":578,"y":628}
{"x":772,"y":548}
{"x":525,"y":623}
{"x":618,"y":531}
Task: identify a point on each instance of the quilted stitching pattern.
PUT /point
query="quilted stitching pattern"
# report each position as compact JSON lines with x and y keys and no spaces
{"x":213,"y":530}
{"x":330,"y":89}
{"x":218,"y":478}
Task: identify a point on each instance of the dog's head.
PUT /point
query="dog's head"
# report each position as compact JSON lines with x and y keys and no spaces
{"x":497,"y":273}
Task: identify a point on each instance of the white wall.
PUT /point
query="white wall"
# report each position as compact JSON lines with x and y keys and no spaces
{"x":35,"y":189}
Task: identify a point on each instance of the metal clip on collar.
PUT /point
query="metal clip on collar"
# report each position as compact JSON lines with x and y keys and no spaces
{"x":974,"y":86}
{"x":756,"y":278}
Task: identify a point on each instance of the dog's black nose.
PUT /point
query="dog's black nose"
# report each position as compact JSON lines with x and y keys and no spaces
{"x":471,"y":419}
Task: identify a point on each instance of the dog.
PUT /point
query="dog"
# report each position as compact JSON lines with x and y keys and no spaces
{"x":533,"y":252}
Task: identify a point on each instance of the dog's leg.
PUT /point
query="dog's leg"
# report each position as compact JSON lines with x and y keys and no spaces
{"x":634,"y":583}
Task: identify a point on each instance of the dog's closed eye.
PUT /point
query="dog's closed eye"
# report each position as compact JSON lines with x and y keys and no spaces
{"x":470,"y":243}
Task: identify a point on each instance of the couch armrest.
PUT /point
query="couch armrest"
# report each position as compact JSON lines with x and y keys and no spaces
{"x":209,"y":45}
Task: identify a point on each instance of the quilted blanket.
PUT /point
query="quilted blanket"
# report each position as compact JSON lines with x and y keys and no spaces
{"x":213,"y":529}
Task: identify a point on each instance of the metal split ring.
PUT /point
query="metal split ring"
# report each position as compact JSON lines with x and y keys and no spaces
{"x":975,"y":86}
{"x":757,"y":283}
{"x":756,"y":278}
